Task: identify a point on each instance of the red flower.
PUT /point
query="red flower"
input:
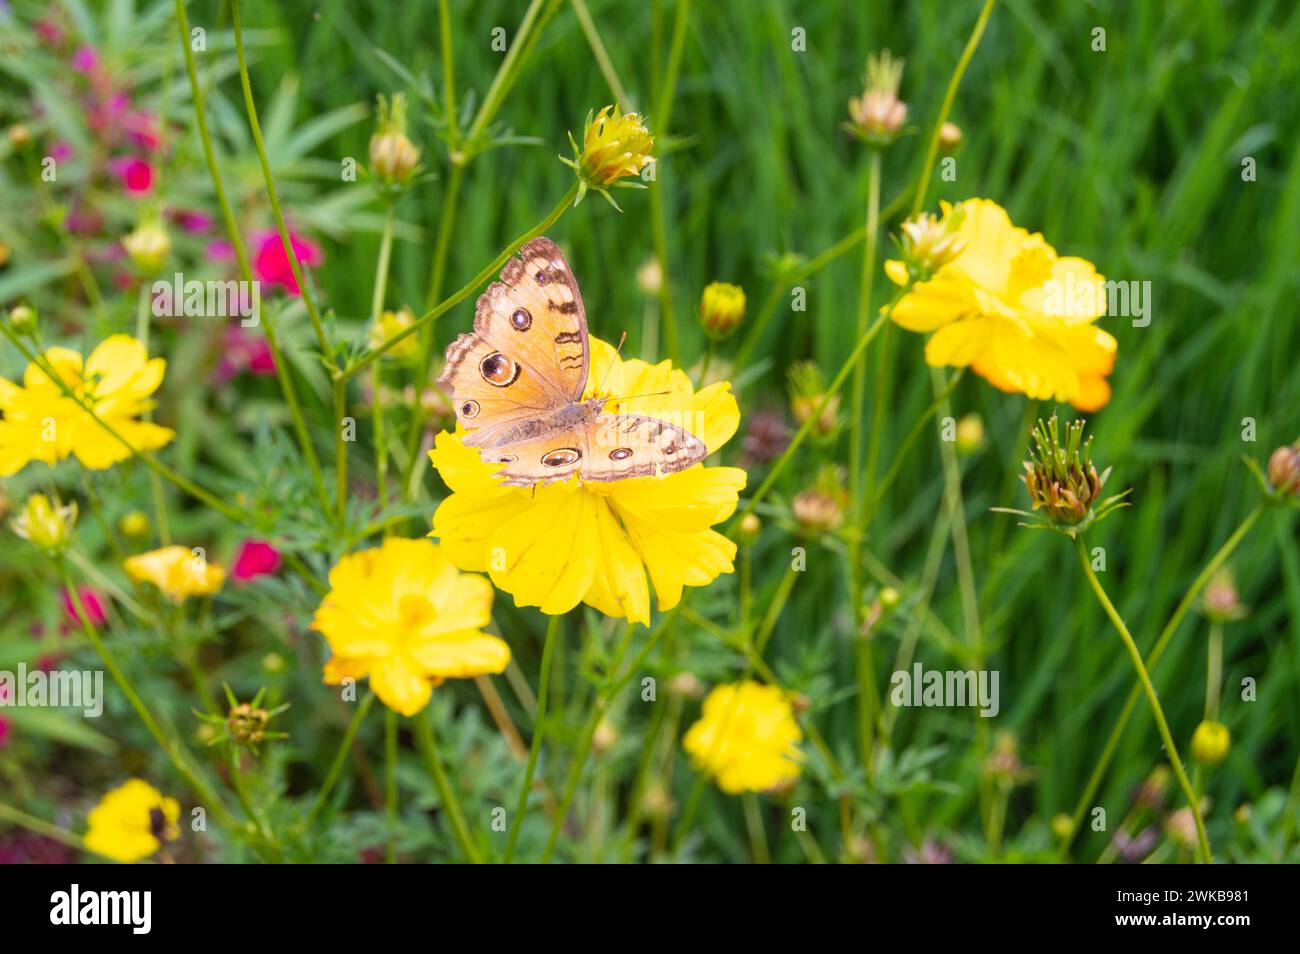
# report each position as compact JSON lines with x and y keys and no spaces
{"x":136,"y":175}
{"x":272,"y":263}
{"x":256,"y":558}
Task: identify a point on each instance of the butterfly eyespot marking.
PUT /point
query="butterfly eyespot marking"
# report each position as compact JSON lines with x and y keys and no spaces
{"x":469,"y":409}
{"x":521,"y":320}
{"x":620,"y":453}
{"x":507,"y":459}
{"x":561,"y":456}
{"x":670,"y":449}
{"x":498,"y":370}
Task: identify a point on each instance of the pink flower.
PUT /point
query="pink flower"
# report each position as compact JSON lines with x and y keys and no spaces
{"x":4,"y":732}
{"x":193,"y":220}
{"x":136,"y":175}
{"x":256,"y":558}
{"x":219,"y":250}
{"x":272,"y":263}
{"x":61,"y":151}
{"x":90,"y":601}
{"x":85,"y":59}
{"x":241,"y":352}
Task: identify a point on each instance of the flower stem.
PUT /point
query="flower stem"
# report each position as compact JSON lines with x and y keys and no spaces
{"x":376,"y":378}
{"x":949,"y":96}
{"x":601,"y":54}
{"x":663,"y":108}
{"x":539,"y":729}
{"x":1162,"y":641}
{"x":428,"y":746}
{"x":308,"y":298}
{"x":341,"y":446}
{"x":865,"y":667}
{"x":172,"y":749}
{"x":241,"y":254}
{"x":468,"y":288}
{"x":390,"y":782}
{"x":1213,"y":671}
{"x":579,"y":763}
{"x":340,"y":756}
{"x":802,"y":434}
{"x":1152,"y":699}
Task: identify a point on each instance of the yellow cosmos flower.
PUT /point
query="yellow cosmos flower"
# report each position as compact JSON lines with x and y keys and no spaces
{"x":1013,"y":310}
{"x":40,"y":422}
{"x":747,"y":738}
{"x":564,"y":543}
{"x":178,"y":571}
{"x":132,"y":821}
{"x":403,"y":615}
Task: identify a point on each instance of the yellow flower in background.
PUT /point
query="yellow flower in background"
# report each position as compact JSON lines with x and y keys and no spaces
{"x":565,"y":543}
{"x":389,"y":324}
{"x":404,"y":616}
{"x":1013,"y":310}
{"x":148,"y":246}
{"x":41,"y":423}
{"x":722,"y":309}
{"x":747,"y":738}
{"x":132,"y":821}
{"x":178,"y":571}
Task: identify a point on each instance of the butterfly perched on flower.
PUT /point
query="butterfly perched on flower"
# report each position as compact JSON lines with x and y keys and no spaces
{"x":518,"y":378}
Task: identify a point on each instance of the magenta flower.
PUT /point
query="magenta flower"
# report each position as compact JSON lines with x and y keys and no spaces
{"x":91,"y":601}
{"x":136,"y":175}
{"x":85,"y":59}
{"x":256,"y":558}
{"x":272,"y":263}
{"x":193,"y":220}
{"x":242,"y":352}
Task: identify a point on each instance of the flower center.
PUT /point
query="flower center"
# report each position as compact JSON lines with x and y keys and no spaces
{"x":414,"y":612}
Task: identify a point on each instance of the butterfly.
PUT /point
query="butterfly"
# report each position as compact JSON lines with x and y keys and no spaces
{"x":517,"y":382}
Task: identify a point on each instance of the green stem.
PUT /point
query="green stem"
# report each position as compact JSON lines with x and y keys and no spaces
{"x":539,"y":729}
{"x":1162,"y":641}
{"x":376,"y":378}
{"x":802,"y":434}
{"x":340,"y":757}
{"x":900,"y":454}
{"x":308,"y":297}
{"x":754,"y":825}
{"x":428,"y":745}
{"x":1152,"y":698}
{"x":601,"y":54}
{"x":282,"y":373}
{"x":864,"y":665}
{"x":949,"y":96}
{"x":1213,"y":671}
{"x":173,"y":749}
{"x":390,"y":782}
{"x":584,"y":741}
{"x":40,"y":826}
{"x":662,"y":117}
{"x":469,"y":288}
{"x":341,"y":447}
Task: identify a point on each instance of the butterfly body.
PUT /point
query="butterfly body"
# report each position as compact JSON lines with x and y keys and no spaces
{"x":517,"y":383}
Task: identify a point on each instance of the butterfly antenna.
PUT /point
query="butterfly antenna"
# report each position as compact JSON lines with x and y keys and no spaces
{"x":617,"y":349}
{"x":633,"y":397}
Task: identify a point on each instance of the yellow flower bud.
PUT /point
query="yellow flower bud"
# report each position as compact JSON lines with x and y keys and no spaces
{"x":1210,"y":743}
{"x":46,"y":524}
{"x":19,"y":136}
{"x":604,"y":738}
{"x":1061,"y":825}
{"x":970,"y":434}
{"x":134,"y":524}
{"x":722,"y":309}
{"x":750,"y":526}
{"x":149,"y":245}
{"x":615,"y":146}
